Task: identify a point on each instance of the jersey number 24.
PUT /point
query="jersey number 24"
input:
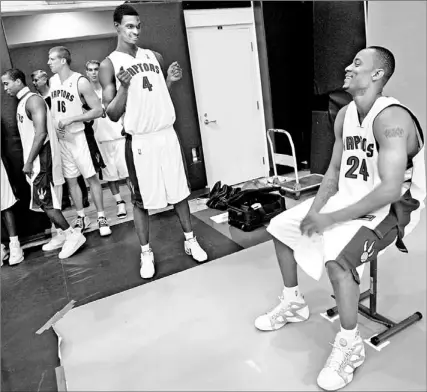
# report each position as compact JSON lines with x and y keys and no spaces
{"x":356,"y":164}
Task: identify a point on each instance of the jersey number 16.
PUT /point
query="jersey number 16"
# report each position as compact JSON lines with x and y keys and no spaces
{"x":61,"y":107}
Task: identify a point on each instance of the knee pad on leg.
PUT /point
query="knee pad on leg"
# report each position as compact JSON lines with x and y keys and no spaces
{"x":341,"y":269}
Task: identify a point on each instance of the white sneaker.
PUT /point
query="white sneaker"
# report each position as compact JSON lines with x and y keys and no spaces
{"x":72,"y":243}
{"x":16,"y":253}
{"x":147,"y":270}
{"x":341,"y":364}
{"x":193,"y":248}
{"x":104,"y":228}
{"x":81,"y":223}
{"x":4,"y":254}
{"x":286,"y":312}
{"x":121,"y":209}
{"x":55,"y":243}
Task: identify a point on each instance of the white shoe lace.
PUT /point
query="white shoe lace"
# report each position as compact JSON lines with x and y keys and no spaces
{"x":339,"y":357}
{"x":279,"y":310}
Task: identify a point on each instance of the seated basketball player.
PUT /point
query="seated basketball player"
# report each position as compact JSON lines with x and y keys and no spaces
{"x":70,"y":92}
{"x":8,"y":199}
{"x":111,"y":142}
{"x":135,"y":91}
{"x":42,"y":159}
{"x":375,"y":179}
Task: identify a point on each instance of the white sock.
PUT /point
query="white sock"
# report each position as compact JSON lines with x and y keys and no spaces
{"x":118,"y":197}
{"x":189,"y":236}
{"x":145,"y":248}
{"x":81,"y":213}
{"x":14,"y":240}
{"x":292,"y":293}
{"x":100,"y":214}
{"x":348,"y":334}
{"x":67,"y":232}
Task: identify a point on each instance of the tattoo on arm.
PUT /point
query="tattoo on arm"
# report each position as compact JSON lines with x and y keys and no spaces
{"x":394,"y":132}
{"x":327,"y":189}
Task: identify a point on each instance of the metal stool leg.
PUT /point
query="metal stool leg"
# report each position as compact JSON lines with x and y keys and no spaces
{"x":370,"y":312}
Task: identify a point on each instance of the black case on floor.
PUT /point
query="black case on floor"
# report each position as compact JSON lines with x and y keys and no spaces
{"x":251,"y":208}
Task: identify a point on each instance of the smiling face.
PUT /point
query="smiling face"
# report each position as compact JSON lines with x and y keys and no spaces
{"x":129,"y":29}
{"x":361,"y":73}
{"x":12,"y":87}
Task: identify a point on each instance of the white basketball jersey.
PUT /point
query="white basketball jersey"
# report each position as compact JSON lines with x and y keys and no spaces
{"x":66,"y":100}
{"x":149,"y":107}
{"x":359,"y":165}
{"x":27,"y":133}
{"x":105,"y":129}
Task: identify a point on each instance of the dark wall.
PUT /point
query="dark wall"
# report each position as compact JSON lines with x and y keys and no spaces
{"x":28,"y":222}
{"x":289,"y":41}
{"x":339,"y":33}
{"x":163,"y":31}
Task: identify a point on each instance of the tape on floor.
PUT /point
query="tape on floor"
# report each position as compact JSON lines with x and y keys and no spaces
{"x":56,"y":317}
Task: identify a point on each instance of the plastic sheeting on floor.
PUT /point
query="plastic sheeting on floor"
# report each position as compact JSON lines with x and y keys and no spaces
{"x":194,"y":330}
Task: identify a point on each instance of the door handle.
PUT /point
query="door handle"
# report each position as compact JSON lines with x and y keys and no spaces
{"x":208,"y":122}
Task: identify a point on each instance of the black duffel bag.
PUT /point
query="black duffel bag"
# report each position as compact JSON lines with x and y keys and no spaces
{"x":252,"y":208}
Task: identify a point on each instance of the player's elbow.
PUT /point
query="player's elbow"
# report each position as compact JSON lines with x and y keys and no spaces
{"x":98,"y":111}
{"x":392,"y":191}
{"x":112,"y":116}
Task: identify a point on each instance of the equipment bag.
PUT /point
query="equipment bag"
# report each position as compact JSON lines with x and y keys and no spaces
{"x":251,"y":208}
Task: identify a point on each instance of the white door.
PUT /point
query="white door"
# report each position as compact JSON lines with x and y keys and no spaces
{"x":228,"y":99}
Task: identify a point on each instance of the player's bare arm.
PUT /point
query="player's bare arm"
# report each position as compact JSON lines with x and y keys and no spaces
{"x":36,"y":111}
{"x":173,"y":73}
{"x":114,"y":101}
{"x":329,"y":185}
{"x":392,"y":129}
{"x":88,"y":96}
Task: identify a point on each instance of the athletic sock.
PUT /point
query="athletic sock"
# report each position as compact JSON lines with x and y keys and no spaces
{"x":101,"y":214}
{"x":189,"y":235}
{"x":145,"y":248}
{"x":14,"y":240}
{"x":292,"y":293}
{"x":118,"y":197}
{"x":81,"y":213}
{"x":349,"y":334}
{"x":67,"y":232}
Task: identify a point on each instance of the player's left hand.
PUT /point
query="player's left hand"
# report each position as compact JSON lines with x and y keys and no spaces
{"x":174,"y":72}
{"x":28,"y":169}
{"x":64,"y":123}
{"x":315,"y":223}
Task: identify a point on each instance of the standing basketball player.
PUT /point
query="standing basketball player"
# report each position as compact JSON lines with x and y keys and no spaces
{"x":69,"y":91}
{"x":111,"y":142}
{"x":41,"y":84}
{"x":135,"y":88}
{"x":8,"y":199}
{"x":42,"y":159}
{"x":371,"y":196}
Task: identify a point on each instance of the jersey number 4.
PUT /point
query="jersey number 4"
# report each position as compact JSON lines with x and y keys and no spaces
{"x":355,"y":164}
{"x":146,"y":83}
{"x":61,"y":107}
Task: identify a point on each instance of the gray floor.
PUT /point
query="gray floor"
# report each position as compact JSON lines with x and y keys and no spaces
{"x":194,"y":330}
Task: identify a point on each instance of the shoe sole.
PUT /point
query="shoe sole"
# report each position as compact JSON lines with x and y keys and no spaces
{"x":188,"y":252}
{"x":79,"y":245}
{"x":20,"y":260}
{"x":51,"y":249}
{"x":104,"y":235}
{"x":122,"y":216}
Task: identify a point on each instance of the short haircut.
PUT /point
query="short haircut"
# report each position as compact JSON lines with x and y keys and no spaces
{"x":92,"y":62}
{"x":62,"y":52}
{"x":386,"y":60}
{"x":15,"y":74}
{"x":39,"y":72}
{"x":122,"y":10}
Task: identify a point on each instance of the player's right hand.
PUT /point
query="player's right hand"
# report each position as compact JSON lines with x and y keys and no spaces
{"x":124,"y":77}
